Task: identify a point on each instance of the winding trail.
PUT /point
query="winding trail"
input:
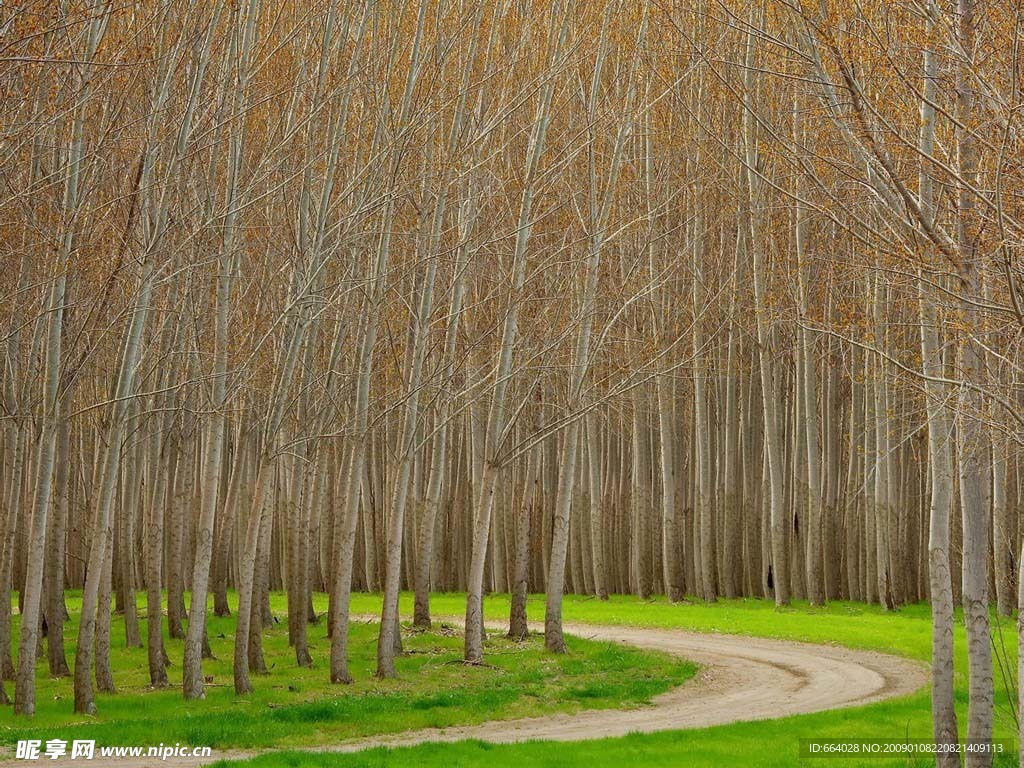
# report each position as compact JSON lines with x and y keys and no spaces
{"x":740,"y":679}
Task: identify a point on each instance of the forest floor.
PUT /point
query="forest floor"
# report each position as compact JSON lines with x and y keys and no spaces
{"x":771,"y":743}
{"x":298,"y":707}
{"x":905,"y":632}
{"x":742,"y":679}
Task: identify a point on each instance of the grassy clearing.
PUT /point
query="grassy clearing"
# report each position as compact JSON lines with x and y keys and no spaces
{"x":299,"y":707}
{"x":768,"y":744}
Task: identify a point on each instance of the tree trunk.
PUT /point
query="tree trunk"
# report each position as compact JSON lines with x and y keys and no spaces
{"x":56,"y":611}
{"x":24,"y":692}
{"x":973,"y":440}
{"x":102,"y":527}
{"x":769,"y":395}
{"x":518,"y":627}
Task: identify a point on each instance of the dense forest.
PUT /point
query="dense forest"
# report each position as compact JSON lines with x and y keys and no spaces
{"x":693,"y":298}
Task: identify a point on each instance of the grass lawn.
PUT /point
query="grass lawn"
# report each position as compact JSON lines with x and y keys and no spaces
{"x":299,"y":707}
{"x":770,"y":743}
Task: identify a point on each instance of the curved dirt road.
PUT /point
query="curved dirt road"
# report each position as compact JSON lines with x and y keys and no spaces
{"x":740,"y":679}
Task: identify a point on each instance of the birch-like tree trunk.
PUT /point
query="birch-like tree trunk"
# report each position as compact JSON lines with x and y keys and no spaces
{"x":600,"y":209}
{"x":496,"y":418}
{"x":973,"y":443}
{"x":101,"y":549}
{"x":940,"y":462}
{"x":192,"y":670}
{"x":56,"y":611}
{"x":807,"y":411}
{"x":24,"y":692}
{"x":769,"y":393}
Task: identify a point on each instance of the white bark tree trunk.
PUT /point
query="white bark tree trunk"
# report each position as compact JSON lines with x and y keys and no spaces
{"x":24,"y":692}
{"x":769,"y":392}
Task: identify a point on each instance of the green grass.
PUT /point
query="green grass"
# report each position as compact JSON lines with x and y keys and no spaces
{"x":294,"y":707}
{"x":523,"y":680}
{"x":769,"y":743}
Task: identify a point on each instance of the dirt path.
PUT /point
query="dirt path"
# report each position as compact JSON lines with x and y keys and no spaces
{"x":741,"y":679}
